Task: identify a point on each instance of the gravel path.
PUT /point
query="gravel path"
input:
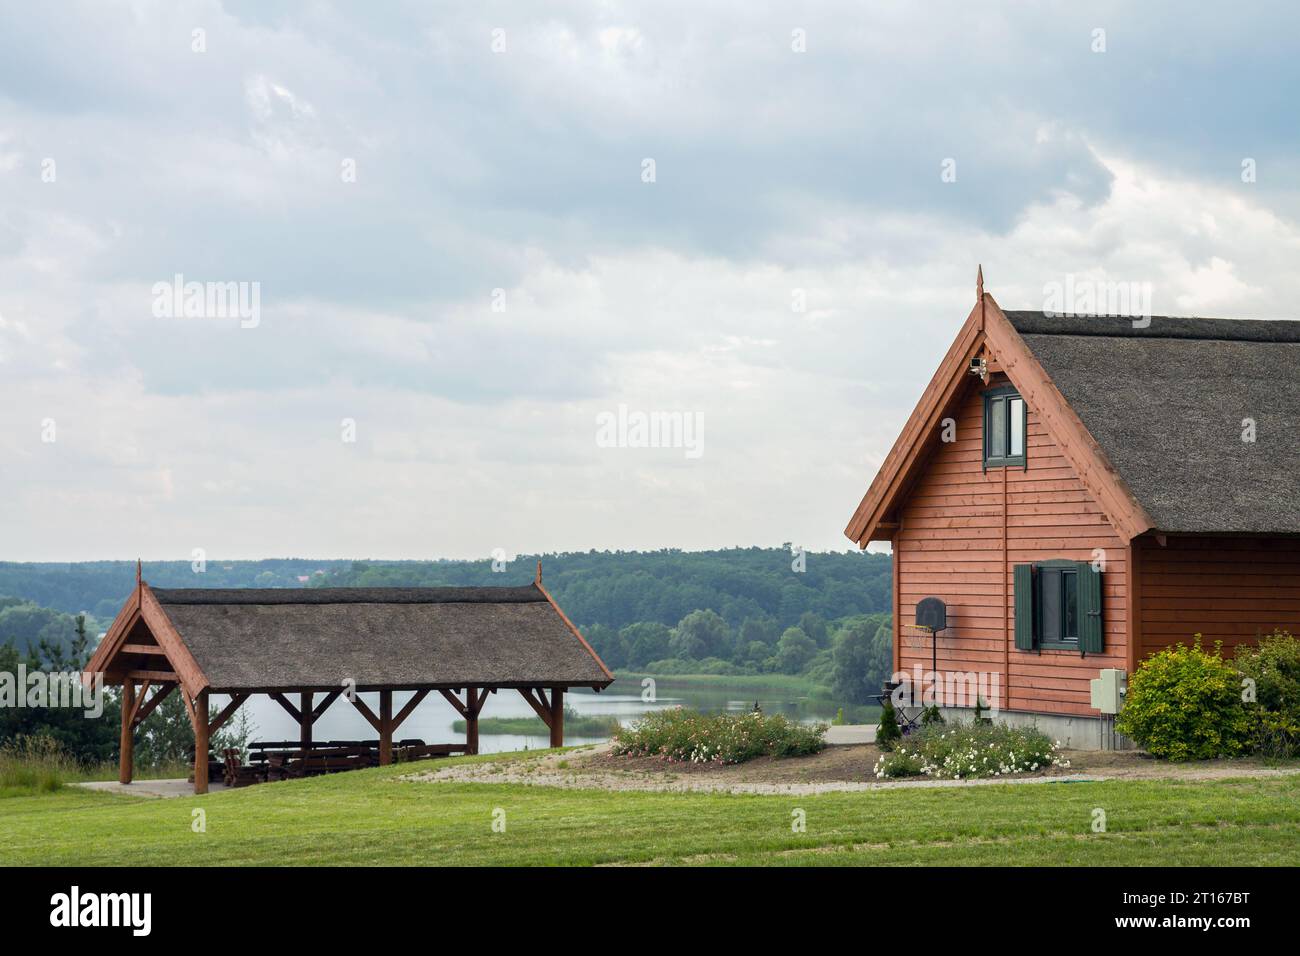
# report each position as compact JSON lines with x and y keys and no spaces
{"x":586,"y":769}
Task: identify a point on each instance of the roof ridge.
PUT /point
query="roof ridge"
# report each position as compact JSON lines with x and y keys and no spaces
{"x":443,"y":594}
{"x":1186,"y":328}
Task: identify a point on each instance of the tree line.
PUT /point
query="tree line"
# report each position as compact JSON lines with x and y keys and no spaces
{"x":736,"y":611}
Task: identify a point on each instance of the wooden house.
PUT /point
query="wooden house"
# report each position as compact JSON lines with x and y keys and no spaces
{"x":1082,"y":492}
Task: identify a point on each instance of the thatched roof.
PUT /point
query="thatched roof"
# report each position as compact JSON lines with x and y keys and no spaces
{"x":1166,"y":404}
{"x":400,"y":638}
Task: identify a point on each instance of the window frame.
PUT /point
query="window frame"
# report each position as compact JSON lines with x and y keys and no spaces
{"x":998,"y":401}
{"x":1089,"y":613}
{"x":1061,"y":568}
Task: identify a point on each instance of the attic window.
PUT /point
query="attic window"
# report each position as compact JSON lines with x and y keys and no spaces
{"x":1004,"y":428}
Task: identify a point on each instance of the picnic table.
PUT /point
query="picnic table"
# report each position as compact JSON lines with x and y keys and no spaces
{"x":288,"y":759}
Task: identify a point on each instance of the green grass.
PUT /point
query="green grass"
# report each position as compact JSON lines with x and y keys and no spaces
{"x":109,"y":769}
{"x":370,"y":817}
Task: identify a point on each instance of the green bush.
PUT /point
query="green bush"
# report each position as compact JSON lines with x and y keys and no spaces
{"x":1274,"y":734}
{"x":1273,"y":667}
{"x":963,"y":750}
{"x":689,"y":736}
{"x":887,"y":732}
{"x":1185,"y":704}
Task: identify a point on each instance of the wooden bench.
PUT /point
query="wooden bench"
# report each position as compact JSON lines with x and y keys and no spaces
{"x":270,"y":760}
{"x":260,"y":750}
{"x":216,"y":766}
{"x":238,"y":774}
{"x":287,"y":764}
{"x":422,"y":750}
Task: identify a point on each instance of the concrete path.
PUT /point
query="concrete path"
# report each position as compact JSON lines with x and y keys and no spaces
{"x":851,"y":734}
{"x":150,"y":788}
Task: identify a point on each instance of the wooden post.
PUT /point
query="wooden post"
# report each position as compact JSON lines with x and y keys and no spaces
{"x":473,"y":704}
{"x":126,"y":746}
{"x":385,"y":727}
{"x":305,"y":720}
{"x":557,"y":716}
{"x":201,"y":743}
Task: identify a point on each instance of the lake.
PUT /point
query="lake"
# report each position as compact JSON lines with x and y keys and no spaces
{"x":433,"y":718}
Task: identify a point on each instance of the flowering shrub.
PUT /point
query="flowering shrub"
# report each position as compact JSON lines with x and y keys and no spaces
{"x":960,"y":751}
{"x":687,"y":735}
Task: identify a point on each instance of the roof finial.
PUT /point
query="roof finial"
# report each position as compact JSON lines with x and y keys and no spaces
{"x":979,"y":284}
{"x":137,"y":572}
{"x":539,"y":571}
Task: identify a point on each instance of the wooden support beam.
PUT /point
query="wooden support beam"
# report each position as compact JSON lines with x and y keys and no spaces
{"x":142,"y":649}
{"x":324,"y":705}
{"x":557,"y":716}
{"x":1133,"y":602}
{"x":473,"y":704}
{"x":201,"y":743}
{"x":364,"y":709}
{"x":305,"y":718}
{"x":189,"y":707}
{"x":139,"y":699}
{"x":229,"y":711}
{"x":385,"y":727}
{"x":126,"y":743}
{"x":454,"y":701}
{"x":160,"y":677}
{"x":411,"y":704}
{"x":289,"y":708}
{"x":532,"y":695}
{"x":143,"y":712}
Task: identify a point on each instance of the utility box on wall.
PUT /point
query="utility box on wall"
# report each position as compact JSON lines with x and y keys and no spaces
{"x":1108,"y":690}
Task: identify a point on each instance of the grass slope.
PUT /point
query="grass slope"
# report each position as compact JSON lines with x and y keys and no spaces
{"x":370,"y":817}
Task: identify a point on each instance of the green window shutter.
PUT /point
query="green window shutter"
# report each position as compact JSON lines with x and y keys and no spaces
{"x":1090,"y":629}
{"x":1023,"y":579}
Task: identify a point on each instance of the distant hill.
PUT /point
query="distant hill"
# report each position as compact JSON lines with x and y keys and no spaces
{"x":617,"y":588}
{"x":24,"y":624}
{"x":101,"y":587}
{"x":595,"y":587}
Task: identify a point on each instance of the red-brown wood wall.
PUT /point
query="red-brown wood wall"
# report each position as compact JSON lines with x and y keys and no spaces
{"x":1228,"y":589}
{"x":963,"y":529}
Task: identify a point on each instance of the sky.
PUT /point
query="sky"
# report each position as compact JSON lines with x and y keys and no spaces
{"x":480,"y":246}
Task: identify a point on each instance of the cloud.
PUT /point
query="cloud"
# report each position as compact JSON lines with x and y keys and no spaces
{"x":782,"y":178}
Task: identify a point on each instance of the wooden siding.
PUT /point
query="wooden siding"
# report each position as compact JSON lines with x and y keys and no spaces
{"x":963,"y":529}
{"x":1227,"y":589}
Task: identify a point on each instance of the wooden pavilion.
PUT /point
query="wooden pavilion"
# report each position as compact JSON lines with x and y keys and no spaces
{"x":461,"y":642}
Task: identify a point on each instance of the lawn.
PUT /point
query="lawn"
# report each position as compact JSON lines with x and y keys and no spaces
{"x":371,"y":817}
